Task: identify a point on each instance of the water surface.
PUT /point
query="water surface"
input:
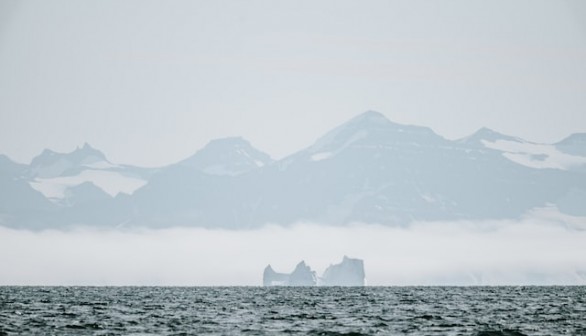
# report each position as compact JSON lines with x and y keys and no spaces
{"x":479,"y":311}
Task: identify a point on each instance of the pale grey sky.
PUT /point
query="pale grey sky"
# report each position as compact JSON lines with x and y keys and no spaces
{"x":151,"y":82}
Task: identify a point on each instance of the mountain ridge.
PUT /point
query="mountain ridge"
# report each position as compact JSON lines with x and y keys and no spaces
{"x":368,"y":169}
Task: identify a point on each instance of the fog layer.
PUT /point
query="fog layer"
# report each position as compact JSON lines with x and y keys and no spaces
{"x":530,"y":251}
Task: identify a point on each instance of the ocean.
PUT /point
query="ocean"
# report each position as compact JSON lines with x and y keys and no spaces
{"x":478,"y":311}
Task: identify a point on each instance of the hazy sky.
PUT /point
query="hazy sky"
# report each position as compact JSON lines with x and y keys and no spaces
{"x":150,"y":82}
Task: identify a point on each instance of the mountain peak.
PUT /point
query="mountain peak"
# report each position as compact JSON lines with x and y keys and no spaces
{"x":374,"y":129}
{"x":487,"y":134}
{"x":47,"y":152}
{"x":86,"y":146}
{"x":371,"y":117}
{"x":575,"y":144}
{"x":575,"y":138}
{"x":51,"y":164}
{"x":229,"y":142}
{"x":87,"y":149}
{"x":77,"y":154}
{"x":227,"y":156}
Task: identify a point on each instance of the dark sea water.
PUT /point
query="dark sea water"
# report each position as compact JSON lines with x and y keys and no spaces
{"x":314,"y":311}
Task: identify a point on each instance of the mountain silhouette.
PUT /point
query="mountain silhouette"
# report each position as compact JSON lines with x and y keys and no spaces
{"x":367,"y":170}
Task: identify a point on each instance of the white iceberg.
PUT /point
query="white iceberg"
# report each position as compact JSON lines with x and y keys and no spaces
{"x":350,"y":272}
{"x":301,"y":276}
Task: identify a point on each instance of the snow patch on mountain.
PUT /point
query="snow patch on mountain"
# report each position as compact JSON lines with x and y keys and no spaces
{"x":533,"y":155}
{"x":61,"y":166}
{"x":487,"y":134}
{"x":367,"y":170}
{"x":52,"y":164}
{"x":110,"y":182}
{"x":56,"y":174}
{"x":321,"y":156}
{"x":100,"y":165}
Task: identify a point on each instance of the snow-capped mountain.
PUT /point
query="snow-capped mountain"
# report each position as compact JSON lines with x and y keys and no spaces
{"x":368,"y":169}
{"x":60,"y":177}
{"x":50,"y":164}
{"x":210,"y":187}
{"x":367,"y":132}
{"x":483,"y":135}
{"x":569,"y":154}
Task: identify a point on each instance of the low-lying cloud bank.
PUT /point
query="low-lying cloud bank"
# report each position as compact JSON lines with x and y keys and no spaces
{"x":535,"y":250}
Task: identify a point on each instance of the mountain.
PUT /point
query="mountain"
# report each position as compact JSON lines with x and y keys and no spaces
{"x":372,"y":170}
{"x":484,"y":135}
{"x":212,"y":187}
{"x":51,"y":164}
{"x":227,"y":156}
{"x":21,"y":205}
{"x":569,"y":154}
{"x":55,"y":174}
{"x":10,"y":168}
{"x":575,"y":144}
{"x":367,"y":170}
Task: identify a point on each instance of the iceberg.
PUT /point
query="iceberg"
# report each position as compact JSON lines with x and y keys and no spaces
{"x":350,"y":272}
{"x":301,"y":276}
{"x":272,"y":278}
